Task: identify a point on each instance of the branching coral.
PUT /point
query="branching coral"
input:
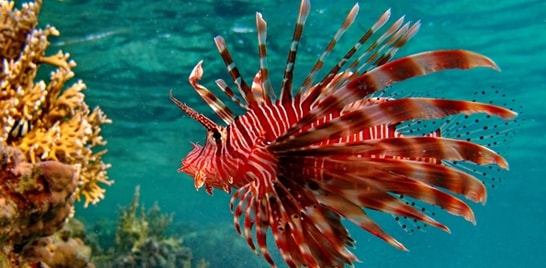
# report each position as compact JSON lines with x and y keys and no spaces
{"x":47,"y":121}
{"x":135,"y":228}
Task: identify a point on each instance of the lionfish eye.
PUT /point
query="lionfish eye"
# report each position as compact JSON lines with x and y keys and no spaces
{"x":216,"y":135}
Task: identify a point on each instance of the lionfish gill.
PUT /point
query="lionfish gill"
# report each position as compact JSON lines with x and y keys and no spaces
{"x":300,"y":160}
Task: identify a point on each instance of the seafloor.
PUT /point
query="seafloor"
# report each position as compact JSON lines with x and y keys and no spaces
{"x":131,"y":53}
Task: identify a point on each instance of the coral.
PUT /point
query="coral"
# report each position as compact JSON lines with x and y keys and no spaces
{"x":135,"y":228}
{"x":141,"y":240}
{"x":217,"y":237}
{"x":156,"y":253}
{"x":47,"y":121}
{"x":35,"y":198}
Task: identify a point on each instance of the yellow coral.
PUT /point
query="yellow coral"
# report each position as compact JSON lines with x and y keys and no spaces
{"x":47,"y":121}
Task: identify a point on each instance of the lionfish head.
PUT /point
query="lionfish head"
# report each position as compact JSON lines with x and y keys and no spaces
{"x":199,"y":163}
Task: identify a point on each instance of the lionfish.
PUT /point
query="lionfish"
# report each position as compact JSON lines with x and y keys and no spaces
{"x":301,"y":162}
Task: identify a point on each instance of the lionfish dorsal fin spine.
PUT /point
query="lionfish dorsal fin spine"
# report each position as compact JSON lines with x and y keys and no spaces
{"x":286,"y":87}
{"x":400,"y":41}
{"x":378,"y":41}
{"x":313,"y":93}
{"x":243,"y":87}
{"x":258,"y":90}
{"x":349,"y":20}
{"x":215,"y":103}
{"x":371,"y":57}
{"x":267,"y":88}
{"x":230,"y":93}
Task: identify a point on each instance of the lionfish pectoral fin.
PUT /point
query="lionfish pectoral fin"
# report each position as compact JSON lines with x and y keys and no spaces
{"x":421,"y":191}
{"x":305,"y":232}
{"x":208,"y":189}
{"x":240,"y":197}
{"x":355,"y":214}
{"x":368,"y":192}
{"x":199,"y":179}
{"x":434,"y":174}
{"x":384,"y":113}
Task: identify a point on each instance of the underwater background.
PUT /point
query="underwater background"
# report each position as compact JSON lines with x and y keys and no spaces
{"x":131,"y":53}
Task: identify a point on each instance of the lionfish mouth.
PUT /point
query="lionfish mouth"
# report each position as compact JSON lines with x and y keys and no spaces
{"x":340,"y":146}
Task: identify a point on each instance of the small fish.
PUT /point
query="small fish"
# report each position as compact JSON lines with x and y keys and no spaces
{"x":20,"y":129}
{"x":88,"y":38}
{"x":240,"y":29}
{"x":302,"y":161}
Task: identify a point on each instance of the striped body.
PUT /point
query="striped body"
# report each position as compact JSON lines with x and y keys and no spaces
{"x":302,"y":161}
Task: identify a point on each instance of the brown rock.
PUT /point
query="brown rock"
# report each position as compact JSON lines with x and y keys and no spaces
{"x":35,"y":199}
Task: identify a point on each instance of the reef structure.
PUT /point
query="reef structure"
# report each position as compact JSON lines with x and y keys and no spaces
{"x":50,"y":143}
{"x":47,"y":121}
{"x":35,"y":200}
{"x":64,"y":248}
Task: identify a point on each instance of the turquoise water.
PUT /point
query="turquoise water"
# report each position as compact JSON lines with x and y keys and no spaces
{"x":131,"y":53}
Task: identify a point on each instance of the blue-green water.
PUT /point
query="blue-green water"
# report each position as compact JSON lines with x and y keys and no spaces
{"x":131,"y":53}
